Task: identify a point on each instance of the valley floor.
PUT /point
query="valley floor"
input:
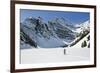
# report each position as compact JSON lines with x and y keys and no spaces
{"x":34,"y":56}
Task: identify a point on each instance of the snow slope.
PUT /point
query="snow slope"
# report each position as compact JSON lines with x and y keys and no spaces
{"x":38,"y":56}
{"x":78,"y":45}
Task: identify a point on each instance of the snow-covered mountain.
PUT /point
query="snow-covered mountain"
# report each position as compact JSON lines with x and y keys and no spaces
{"x":83,"y":26}
{"x":34,"y":32}
{"x":82,"y":31}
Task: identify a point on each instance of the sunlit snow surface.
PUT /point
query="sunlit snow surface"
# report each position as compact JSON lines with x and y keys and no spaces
{"x":34,"y":56}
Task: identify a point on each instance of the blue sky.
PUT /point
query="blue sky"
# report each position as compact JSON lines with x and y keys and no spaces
{"x":73,"y":17}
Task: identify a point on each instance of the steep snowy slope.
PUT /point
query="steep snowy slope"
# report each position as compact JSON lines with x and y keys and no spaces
{"x":79,"y":44}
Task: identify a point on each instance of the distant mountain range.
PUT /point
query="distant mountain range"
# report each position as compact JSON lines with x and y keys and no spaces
{"x":35,"y":32}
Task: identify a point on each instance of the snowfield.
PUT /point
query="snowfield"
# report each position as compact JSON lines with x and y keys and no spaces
{"x":36,"y":56}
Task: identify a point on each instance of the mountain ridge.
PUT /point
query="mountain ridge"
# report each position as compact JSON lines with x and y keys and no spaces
{"x":51,"y":34}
